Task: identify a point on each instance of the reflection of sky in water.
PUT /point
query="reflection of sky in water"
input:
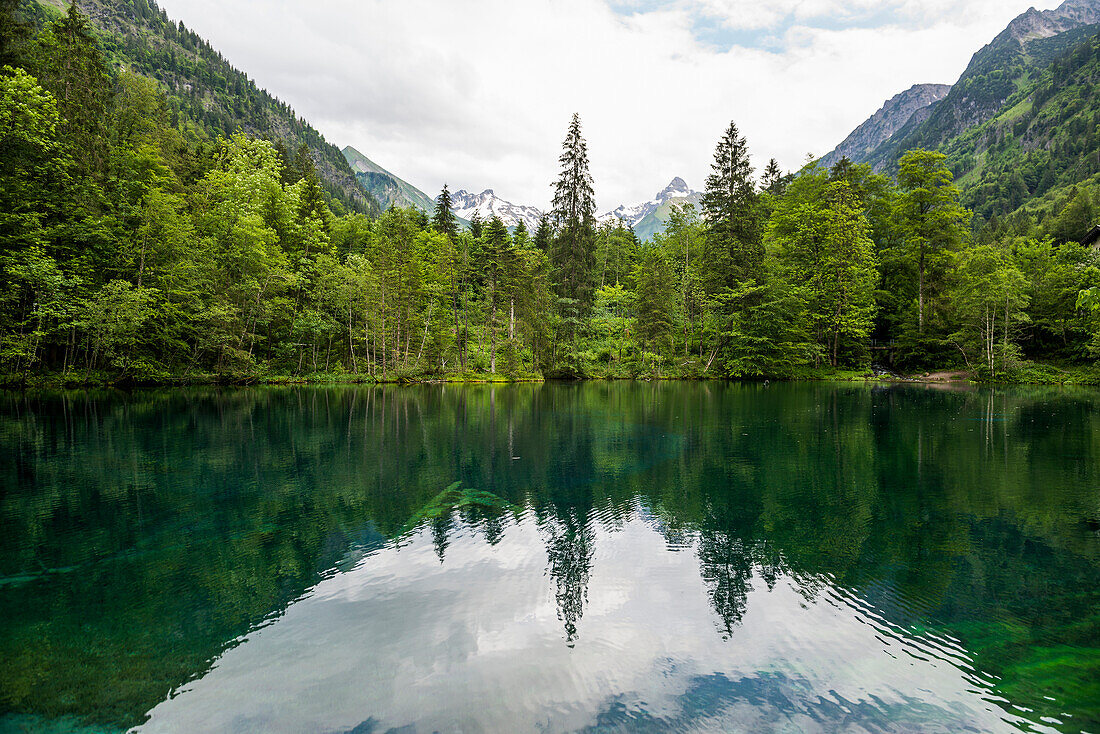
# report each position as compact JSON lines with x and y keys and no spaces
{"x":476,"y":644}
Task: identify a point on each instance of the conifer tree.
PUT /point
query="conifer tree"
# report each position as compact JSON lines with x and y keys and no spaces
{"x":497,"y":249}
{"x":543,"y":234}
{"x":771,"y":180}
{"x":574,"y":214}
{"x":519,"y":235}
{"x":656,"y":300}
{"x":311,"y":203}
{"x":287,"y":163}
{"x":734,"y":248}
{"x":476,"y":225}
{"x":443,"y":220}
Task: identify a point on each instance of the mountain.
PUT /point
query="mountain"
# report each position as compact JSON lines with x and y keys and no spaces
{"x":890,"y":118}
{"x":487,"y":204}
{"x":650,"y":217}
{"x":1010,"y":62}
{"x":205,"y":92}
{"x":1020,"y":127}
{"x":1042,"y":142}
{"x":386,"y":188}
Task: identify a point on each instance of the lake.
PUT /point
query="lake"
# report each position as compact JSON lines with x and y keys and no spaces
{"x":602,"y":557}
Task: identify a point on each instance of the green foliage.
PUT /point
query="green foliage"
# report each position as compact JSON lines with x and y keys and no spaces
{"x":573,"y":246}
{"x":208,"y":98}
{"x":175,"y":247}
{"x":1089,"y":301}
{"x":990,"y":294}
{"x":733,"y":243}
{"x":769,"y":332}
{"x":656,"y":300}
{"x":14,"y":32}
{"x":822,"y":238}
{"x":932,"y":228}
{"x":443,"y":219}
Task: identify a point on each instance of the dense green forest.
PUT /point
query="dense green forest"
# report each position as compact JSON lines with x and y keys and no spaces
{"x":137,"y":247}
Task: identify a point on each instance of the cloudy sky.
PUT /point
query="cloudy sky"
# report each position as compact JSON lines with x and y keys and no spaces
{"x":478,"y":93}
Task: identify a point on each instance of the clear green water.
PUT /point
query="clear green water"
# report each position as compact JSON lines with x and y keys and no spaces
{"x":591,"y":557}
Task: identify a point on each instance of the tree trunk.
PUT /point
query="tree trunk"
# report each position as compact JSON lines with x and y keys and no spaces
{"x":351,"y":345}
{"x":493,"y":337}
{"x":424,"y":340}
{"x":920,"y":294}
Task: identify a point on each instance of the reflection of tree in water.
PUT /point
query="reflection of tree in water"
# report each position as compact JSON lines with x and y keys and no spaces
{"x":769,"y":564}
{"x":492,"y":528}
{"x":569,"y":549}
{"x":726,"y":566}
{"x":440,"y":529}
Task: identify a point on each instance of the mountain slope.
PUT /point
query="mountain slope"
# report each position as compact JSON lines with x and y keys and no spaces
{"x":1045,"y":137}
{"x":386,"y":188}
{"x":649,"y":217}
{"x":205,"y":90}
{"x":995,"y":73}
{"x":487,"y":205}
{"x":891,"y":117}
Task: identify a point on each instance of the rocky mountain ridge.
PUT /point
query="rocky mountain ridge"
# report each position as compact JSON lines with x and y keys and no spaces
{"x":487,"y":205}
{"x":894,"y":114}
{"x":1030,"y":43}
{"x":388,"y":189}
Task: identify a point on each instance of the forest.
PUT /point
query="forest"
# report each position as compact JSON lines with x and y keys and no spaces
{"x":137,"y":247}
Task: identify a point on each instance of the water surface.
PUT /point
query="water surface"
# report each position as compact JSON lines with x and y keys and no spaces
{"x":590,"y":557}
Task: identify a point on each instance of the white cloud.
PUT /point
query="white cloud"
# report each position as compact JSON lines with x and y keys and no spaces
{"x":478,"y":94}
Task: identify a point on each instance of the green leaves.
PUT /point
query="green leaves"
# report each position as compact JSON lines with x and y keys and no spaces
{"x":821,"y":239}
{"x":989,"y":295}
{"x":115,"y":318}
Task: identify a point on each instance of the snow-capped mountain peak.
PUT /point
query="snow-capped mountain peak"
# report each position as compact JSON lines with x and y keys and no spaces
{"x":646,"y":217}
{"x":487,"y":205}
{"x":676,"y":189}
{"x":633,"y":215}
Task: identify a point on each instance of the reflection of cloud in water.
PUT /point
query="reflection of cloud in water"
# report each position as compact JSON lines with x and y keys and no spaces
{"x":475,"y":644}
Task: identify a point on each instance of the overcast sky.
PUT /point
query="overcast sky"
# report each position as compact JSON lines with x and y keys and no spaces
{"x":478,"y":94}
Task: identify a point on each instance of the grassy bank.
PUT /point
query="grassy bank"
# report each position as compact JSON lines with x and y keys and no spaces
{"x":1026,"y":373}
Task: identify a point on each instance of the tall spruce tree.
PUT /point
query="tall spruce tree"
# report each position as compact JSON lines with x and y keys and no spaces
{"x":498,"y":255}
{"x":734,"y":247}
{"x":519,"y":235}
{"x":573,"y":251}
{"x":443,"y":220}
{"x":543,"y":234}
{"x":771,"y":180}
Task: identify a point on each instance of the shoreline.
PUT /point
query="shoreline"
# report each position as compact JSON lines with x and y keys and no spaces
{"x":1081,"y":376}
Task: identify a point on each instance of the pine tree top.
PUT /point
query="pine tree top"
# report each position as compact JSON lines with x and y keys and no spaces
{"x":574,"y":196}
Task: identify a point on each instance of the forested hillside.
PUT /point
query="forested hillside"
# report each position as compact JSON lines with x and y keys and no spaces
{"x":134,"y":248}
{"x":999,"y":70}
{"x":207,"y":97}
{"x":386,"y":188}
{"x":1020,"y":125}
{"x":1046,"y":137}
